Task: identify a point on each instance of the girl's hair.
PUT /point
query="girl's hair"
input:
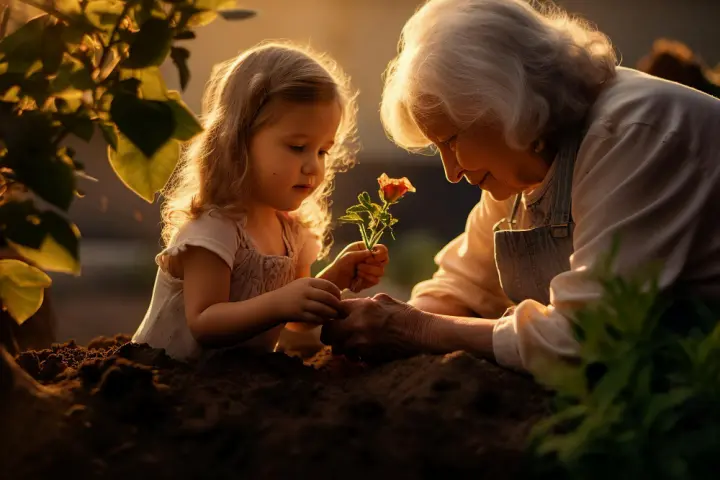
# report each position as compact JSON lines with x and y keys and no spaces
{"x":212,"y":169}
{"x":530,"y":71}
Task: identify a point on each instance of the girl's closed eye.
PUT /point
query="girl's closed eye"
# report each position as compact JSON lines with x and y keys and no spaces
{"x":301,"y":149}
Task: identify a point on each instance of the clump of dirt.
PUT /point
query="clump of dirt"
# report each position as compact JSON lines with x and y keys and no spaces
{"x":129,"y":411}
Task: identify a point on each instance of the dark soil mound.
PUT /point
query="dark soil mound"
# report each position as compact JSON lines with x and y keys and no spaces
{"x":129,"y":412}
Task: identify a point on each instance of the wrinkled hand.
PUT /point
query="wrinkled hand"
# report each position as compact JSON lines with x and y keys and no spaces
{"x":308,"y":300}
{"x":357,"y":268}
{"x":376,"y":329}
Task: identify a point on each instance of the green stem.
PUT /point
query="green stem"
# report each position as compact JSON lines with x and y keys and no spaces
{"x":376,"y":234}
{"x":110,"y":43}
{"x":364,"y":235}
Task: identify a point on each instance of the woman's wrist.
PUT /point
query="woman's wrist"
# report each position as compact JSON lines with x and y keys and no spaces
{"x":440,"y":334}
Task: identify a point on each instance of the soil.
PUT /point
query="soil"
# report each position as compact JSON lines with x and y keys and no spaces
{"x":116,"y":410}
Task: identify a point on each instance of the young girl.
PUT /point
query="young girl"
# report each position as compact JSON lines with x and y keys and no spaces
{"x":247,"y":209}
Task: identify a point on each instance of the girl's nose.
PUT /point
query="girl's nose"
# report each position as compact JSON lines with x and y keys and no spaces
{"x":311,"y":166}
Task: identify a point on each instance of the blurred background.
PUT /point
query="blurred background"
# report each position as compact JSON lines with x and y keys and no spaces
{"x":121,"y":231}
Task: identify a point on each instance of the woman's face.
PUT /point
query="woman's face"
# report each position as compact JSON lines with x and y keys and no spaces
{"x":480,"y":154}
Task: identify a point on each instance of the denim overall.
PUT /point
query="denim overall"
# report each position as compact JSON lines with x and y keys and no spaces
{"x":527,"y":260}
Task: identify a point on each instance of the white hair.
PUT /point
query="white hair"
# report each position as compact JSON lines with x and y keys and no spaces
{"x":529,"y":71}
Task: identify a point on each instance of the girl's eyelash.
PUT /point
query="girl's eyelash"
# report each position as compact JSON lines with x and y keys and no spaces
{"x":301,"y":148}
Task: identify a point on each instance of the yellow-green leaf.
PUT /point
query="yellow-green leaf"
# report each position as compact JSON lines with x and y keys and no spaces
{"x":50,"y":256}
{"x":210,"y":13}
{"x":152,"y":85}
{"x":144,"y":176}
{"x":104,"y":13}
{"x":186,"y":123}
{"x":22,"y":288}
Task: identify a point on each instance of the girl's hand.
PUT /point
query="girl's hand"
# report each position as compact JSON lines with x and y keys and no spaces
{"x":308,"y":300}
{"x":357,"y":268}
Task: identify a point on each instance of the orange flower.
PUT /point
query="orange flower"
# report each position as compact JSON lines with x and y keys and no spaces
{"x":393,"y":189}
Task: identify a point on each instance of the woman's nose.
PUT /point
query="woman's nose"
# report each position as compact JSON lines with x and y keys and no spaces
{"x":453,"y":172}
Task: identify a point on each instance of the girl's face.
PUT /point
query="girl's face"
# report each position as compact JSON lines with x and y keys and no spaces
{"x":481,"y":155}
{"x":287,"y":156}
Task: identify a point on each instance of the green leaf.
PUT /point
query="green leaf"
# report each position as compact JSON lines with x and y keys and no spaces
{"x":72,"y":74}
{"x":149,"y":124}
{"x":205,"y":11}
{"x":351,"y":218}
{"x":144,"y":176}
{"x":22,"y":288}
{"x":152,"y":85}
{"x":186,"y":124}
{"x":44,"y":238}
{"x":150,"y":45}
{"x":68,"y":7}
{"x":22,"y":49}
{"x":364,"y":199}
{"x":357,"y":209}
{"x":109,"y":134}
{"x":53,"y":48}
{"x":33,"y":157}
{"x":79,"y":124}
{"x":104,"y":14}
{"x":180,"y":57}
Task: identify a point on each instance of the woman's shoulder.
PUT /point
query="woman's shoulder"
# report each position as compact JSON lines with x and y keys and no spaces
{"x":635,"y":98}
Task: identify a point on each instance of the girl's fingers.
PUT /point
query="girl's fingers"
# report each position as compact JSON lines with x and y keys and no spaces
{"x":321,"y":284}
{"x":374,"y":270}
{"x":325,"y":298}
{"x":381,"y":254}
{"x":369,"y":280}
{"x":320,"y":310}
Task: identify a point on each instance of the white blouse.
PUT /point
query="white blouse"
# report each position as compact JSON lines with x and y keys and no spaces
{"x":649,"y":170}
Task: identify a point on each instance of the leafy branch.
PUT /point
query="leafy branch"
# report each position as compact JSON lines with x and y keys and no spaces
{"x":643,"y":399}
{"x":84,"y":66}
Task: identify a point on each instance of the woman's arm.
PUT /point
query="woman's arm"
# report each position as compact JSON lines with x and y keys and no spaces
{"x":466,"y":282}
{"x":638,"y":184}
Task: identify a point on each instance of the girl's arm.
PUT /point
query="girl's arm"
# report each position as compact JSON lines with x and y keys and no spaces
{"x":215,"y":321}
{"x":212,"y":318}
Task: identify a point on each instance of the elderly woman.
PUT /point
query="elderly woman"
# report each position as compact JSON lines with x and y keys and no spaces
{"x":570,"y":151}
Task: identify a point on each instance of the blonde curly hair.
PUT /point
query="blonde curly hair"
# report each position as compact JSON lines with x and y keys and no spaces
{"x":212,"y":170}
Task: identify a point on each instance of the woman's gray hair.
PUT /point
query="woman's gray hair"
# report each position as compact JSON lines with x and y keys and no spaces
{"x":531,"y":70}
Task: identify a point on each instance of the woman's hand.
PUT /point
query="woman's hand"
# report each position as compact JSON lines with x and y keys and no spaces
{"x":379,"y":328}
{"x":357,"y":268}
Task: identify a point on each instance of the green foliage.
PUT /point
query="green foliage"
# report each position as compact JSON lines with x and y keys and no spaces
{"x":85,"y":65}
{"x":644,"y":399}
{"x":377,"y":219}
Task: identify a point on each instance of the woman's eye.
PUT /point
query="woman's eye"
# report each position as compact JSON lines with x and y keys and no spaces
{"x":297,"y":148}
{"x":324,"y":153}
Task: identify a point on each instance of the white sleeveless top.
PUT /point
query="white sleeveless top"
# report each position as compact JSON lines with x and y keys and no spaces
{"x":165,"y":325}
